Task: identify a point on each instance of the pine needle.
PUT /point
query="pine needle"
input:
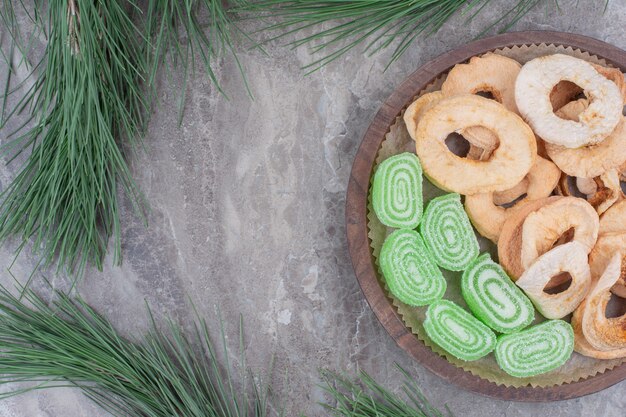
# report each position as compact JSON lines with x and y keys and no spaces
{"x":67,"y":343}
{"x":85,"y":96}
{"x":367,"y":398}
{"x":377,"y":24}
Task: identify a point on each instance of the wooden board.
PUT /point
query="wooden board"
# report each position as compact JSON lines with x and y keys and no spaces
{"x":356,"y":220}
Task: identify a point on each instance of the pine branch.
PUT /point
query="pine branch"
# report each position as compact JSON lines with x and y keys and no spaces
{"x":376,"y":24}
{"x":368,"y":398}
{"x":85,"y":97}
{"x":67,"y":343}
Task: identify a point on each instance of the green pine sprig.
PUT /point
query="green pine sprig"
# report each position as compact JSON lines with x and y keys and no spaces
{"x":84,"y":98}
{"x":367,"y":398}
{"x":87,"y":103}
{"x":376,"y":24}
{"x":168,"y":374}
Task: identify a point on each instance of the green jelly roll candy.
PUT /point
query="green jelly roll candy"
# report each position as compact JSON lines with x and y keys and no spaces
{"x":448,"y":233}
{"x":411,"y":274}
{"x":457,"y":331}
{"x":536,"y":350}
{"x":494,"y":298}
{"x":397,"y":191}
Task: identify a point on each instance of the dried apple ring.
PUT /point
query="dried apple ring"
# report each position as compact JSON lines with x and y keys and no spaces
{"x":510,"y":241}
{"x":582,"y":346}
{"x":414,"y":112}
{"x":601,"y":192}
{"x":488,"y":216}
{"x":566,"y":91}
{"x":532,"y":94}
{"x":509,"y":163}
{"x":482,"y":141}
{"x":490,"y":73}
{"x":589,"y":161}
{"x":542,"y":228}
{"x":601,"y":332}
{"x":569,"y":258}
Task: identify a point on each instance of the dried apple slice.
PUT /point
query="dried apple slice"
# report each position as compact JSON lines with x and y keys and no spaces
{"x":615,"y":75}
{"x":509,"y":163}
{"x":488,"y":216}
{"x":482,"y":141}
{"x":569,"y":258}
{"x":601,"y":332}
{"x":510,"y":241}
{"x":490,"y":73}
{"x":414,"y":112}
{"x":582,"y":346}
{"x":532,"y":95}
{"x":601,"y":192}
{"x":542,"y":228}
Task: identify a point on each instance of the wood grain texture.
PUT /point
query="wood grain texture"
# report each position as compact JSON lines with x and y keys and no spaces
{"x":356,"y":217}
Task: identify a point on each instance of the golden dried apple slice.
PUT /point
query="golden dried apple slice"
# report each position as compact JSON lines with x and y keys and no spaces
{"x":490,"y":73}
{"x":509,"y":163}
{"x":601,"y":332}
{"x":582,"y":346}
{"x":542,"y":228}
{"x":414,"y":112}
{"x":488,"y":216}
{"x":510,"y":241}
{"x":601,"y":192}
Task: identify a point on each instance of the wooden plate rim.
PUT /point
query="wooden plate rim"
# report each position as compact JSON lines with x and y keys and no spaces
{"x":356,"y":218}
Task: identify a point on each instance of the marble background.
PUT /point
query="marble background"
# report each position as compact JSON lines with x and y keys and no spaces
{"x":247,"y":216}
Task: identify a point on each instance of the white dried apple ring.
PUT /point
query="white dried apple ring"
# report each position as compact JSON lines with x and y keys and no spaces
{"x":489,"y":73}
{"x":544,"y":227}
{"x":565,"y":91}
{"x":509,"y":163}
{"x":569,"y":258}
{"x":601,"y":332}
{"x":589,"y":161}
{"x":488,"y":216}
{"x":532,"y":93}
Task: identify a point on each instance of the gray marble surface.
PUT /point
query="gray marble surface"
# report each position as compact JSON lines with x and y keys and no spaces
{"x":247,"y":215}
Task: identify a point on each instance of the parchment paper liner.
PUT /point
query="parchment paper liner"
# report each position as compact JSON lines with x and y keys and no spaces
{"x":398,"y":140}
